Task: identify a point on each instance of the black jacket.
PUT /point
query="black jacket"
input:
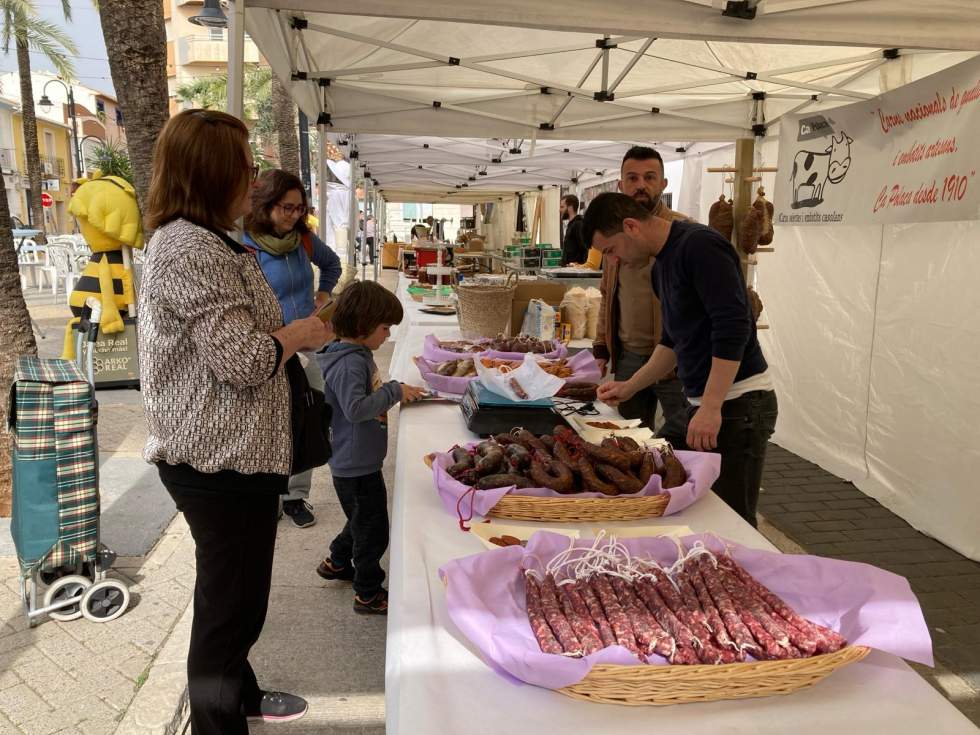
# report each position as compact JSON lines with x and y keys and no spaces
{"x":574,"y":249}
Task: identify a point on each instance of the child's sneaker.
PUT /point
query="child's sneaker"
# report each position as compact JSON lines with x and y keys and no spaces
{"x":328,"y":570}
{"x":377,"y":604}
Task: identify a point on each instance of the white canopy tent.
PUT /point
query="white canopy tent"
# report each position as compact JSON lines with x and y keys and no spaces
{"x":876,"y":373}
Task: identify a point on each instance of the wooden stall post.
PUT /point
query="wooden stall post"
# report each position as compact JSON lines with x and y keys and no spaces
{"x":744,"y":152}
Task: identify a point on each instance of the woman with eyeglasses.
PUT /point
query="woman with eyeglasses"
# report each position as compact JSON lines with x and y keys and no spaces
{"x":277,"y":232}
{"x":216,"y":397}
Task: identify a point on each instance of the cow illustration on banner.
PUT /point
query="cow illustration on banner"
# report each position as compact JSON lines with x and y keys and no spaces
{"x":813,"y":170}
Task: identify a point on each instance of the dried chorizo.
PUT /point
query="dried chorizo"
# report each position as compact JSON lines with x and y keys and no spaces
{"x":551,"y":474}
{"x":502,"y":480}
{"x":590,"y":481}
{"x":625,"y":483}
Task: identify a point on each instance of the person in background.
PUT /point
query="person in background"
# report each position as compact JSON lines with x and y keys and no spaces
{"x":277,"y":233}
{"x":708,"y":335}
{"x":629,"y":315}
{"x":573,"y":247}
{"x":312,"y":221}
{"x":217,"y":404}
{"x":370,"y":226}
{"x":359,"y":429}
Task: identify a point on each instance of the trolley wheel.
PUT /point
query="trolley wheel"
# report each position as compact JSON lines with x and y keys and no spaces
{"x":71,"y":587}
{"x":105,"y":601}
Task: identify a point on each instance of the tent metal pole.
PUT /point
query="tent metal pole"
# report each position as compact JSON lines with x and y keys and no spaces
{"x":378,"y":232}
{"x":321,"y":181}
{"x":352,"y":217}
{"x":236,"y":59}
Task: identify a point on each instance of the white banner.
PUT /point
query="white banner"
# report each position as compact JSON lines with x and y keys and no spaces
{"x":910,"y":155}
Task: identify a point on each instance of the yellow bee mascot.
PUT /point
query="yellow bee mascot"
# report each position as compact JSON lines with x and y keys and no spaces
{"x":109,"y":218}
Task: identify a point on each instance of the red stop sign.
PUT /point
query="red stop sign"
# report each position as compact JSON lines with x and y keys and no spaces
{"x":46,"y":200}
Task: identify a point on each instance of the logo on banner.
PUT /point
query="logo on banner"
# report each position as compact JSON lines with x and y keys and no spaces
{"x":813,"y":170}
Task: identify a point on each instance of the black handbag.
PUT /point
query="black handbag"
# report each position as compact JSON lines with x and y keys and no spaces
{"x":311,"y":416}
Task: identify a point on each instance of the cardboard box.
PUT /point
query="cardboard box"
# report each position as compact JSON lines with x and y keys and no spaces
{"x":550,"y":293}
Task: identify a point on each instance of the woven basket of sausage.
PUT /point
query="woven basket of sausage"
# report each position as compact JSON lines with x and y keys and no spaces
{"x":664,"y":685}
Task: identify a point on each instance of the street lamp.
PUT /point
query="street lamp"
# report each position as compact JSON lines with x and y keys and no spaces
{"x":81,"y":146}
{"x":45,"y":104}
{"x":211,"y":16}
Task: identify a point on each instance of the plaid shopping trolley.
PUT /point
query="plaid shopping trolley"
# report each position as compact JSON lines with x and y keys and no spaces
{"x":52,"y":414}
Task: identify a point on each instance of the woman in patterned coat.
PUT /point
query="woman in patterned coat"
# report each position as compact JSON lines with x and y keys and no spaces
{"x":216,"y":399}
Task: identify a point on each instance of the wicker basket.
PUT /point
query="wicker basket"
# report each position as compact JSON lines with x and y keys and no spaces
{"x":576,"y":510}
{"x":663,"y":685}
{"x":570,"y":509}
{"x":484,"y":310}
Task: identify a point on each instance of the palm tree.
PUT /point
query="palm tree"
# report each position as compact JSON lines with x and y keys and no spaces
{"x":29,"y":32}
{"x":287,"y":141}
{"x":269,"y":111}
{"x":137,"y":47}
{"x":111,"y":159}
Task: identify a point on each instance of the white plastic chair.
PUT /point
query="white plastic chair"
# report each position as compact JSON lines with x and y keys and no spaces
{"x":60,"y":263}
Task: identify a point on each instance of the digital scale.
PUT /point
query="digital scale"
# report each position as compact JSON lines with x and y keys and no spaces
{"x":487,"y":413}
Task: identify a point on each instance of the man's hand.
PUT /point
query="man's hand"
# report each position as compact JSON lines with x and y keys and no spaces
{"x":319,"y":300}
{"x":602,"y":367}
{"x":703,"y":428}
{"x":615,"y":392}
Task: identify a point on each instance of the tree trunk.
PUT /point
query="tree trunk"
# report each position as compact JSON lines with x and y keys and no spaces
{"x":16,"y":336}
{"x":286,"y":138}
{"x":32,"y":155}
{"x":137,"y":48}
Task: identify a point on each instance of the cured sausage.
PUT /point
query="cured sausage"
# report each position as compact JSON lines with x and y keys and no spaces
{"x":502,"y":480}
{"x":535,"y":615}
{"x":463,"y":461}
{"x":619,"y":621}
{"x":608,"y":455}
{"x":491,"y":458}
{"x":556,"y":618}
{"x":529,"y":441}
{"x":647,"y":468}
{"x":606,"y":634}
{"x":517,"y":457}
{"x":577,"y":614}
{"x":726,"y":608}
{"x":649,"y":633}
{"x":711,"y":613}
{"x":625,"y":482}
{"x":675,"y":475}
{"x":684,"y":652}
{"x":591,"y":483}
{"x":551,"y":474}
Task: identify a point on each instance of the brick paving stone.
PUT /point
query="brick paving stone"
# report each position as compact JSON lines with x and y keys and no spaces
{"x":853,"y":503}
{"x":21,"y":703}
{"x":839,"y":515}
{"x":831,"y":525}
{"x":810,"y":505}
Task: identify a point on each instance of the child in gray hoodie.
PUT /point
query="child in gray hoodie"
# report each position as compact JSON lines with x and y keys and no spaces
{"x":359,"y":437}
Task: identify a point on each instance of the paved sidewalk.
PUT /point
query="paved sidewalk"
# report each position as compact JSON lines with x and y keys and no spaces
{"x":830,"y":517}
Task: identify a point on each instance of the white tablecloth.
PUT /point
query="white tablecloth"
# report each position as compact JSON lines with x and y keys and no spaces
{"x":435,"y":682}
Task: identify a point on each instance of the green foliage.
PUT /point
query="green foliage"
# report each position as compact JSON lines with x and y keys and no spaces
{"x":211,"y":93}
{"x":111,"y":159}
{"x":21,"y":24}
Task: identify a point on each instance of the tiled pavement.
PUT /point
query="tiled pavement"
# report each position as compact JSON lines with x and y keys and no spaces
{"x":830,"y":517}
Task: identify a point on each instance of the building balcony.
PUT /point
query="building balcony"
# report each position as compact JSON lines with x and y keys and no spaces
{"x":204,"y":50}
{"x":51,"y":168}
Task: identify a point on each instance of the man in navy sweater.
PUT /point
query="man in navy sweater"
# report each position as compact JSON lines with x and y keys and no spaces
{"x":708,"y":334}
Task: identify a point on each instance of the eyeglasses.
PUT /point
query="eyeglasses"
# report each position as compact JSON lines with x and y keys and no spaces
{"x":291,"y":209}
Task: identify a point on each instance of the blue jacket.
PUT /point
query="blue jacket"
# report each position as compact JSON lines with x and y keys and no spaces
{"x":698,"y":279}
{"x":360,"y":403}
{"x":291,"y":276}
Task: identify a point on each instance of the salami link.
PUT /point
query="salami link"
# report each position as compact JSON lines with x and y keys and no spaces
{"x":726,"y":608}
{"x":773,"y":639}
{"x":556,"y":618}
{"x":619,"y":621}
{"x":695,"y":619}
{"x":606,"y":634}
{"x":711,"y":613}
{"x":684,"y":652}
{"x":649,"y":633}
{"x":578,"y":615}
{"x":825,"y":639}
{"x":535,"y":615}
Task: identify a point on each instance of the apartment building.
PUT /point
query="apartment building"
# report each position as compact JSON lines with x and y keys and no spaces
{"x":192,"y":51}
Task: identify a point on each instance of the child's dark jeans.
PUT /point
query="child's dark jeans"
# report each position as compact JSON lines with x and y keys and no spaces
{"x":364,"y":538}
